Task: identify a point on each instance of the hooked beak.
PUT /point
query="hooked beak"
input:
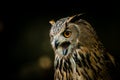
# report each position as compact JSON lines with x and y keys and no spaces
{"x":56,"y":44}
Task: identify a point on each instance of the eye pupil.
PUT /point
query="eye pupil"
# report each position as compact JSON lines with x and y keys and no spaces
{"x":67,"y":33}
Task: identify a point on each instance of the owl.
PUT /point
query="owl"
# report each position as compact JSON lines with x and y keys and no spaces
{"x":79,"y":54}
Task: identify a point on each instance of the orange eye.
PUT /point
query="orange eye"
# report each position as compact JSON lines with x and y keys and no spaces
{"x":67,"y":34}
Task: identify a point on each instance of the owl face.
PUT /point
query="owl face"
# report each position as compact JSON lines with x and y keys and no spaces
{"x":63,"y":37}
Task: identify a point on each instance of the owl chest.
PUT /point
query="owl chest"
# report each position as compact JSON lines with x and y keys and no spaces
{"x":79,"y":69}
{"x":73,"y":74}
{"x":70,"y":70}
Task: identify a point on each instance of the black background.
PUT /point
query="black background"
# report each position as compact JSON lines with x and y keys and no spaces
{"x":25,"y":33}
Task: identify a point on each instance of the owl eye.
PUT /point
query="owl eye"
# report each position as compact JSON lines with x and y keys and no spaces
{"x":67,"y":33}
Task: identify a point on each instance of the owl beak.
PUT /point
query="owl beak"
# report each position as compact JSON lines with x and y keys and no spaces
{"x":56,"y":44}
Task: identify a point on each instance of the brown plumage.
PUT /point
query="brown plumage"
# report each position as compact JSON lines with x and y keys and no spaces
{"x":79,"y":54}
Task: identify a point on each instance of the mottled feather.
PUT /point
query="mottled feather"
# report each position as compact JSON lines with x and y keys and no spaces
{"x":85,"y":58}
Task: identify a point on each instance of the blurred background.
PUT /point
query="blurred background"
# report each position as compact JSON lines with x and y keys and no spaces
{"x":27,"y":53}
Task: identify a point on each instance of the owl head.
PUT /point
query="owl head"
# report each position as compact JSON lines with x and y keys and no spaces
{"x":70,"y":33}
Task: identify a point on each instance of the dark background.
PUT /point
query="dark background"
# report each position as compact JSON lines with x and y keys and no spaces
{"x":24,"y":28}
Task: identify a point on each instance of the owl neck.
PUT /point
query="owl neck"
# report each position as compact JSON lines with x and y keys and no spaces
{"x":81,"y":64}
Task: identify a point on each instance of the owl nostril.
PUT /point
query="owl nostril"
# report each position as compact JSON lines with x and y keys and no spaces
{"x":65,"y":44}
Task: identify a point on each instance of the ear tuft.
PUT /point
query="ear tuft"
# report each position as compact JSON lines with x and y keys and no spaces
{"x":52,"y":22}
{"x":74,"y":18}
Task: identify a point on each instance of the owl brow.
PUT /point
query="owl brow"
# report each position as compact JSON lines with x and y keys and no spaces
{"x":66,"y":25}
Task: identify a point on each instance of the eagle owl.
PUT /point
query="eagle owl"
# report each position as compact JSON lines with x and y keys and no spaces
{"x":79,"y":54}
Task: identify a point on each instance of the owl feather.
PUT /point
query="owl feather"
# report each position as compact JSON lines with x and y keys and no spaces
{"x":79,"y":54}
